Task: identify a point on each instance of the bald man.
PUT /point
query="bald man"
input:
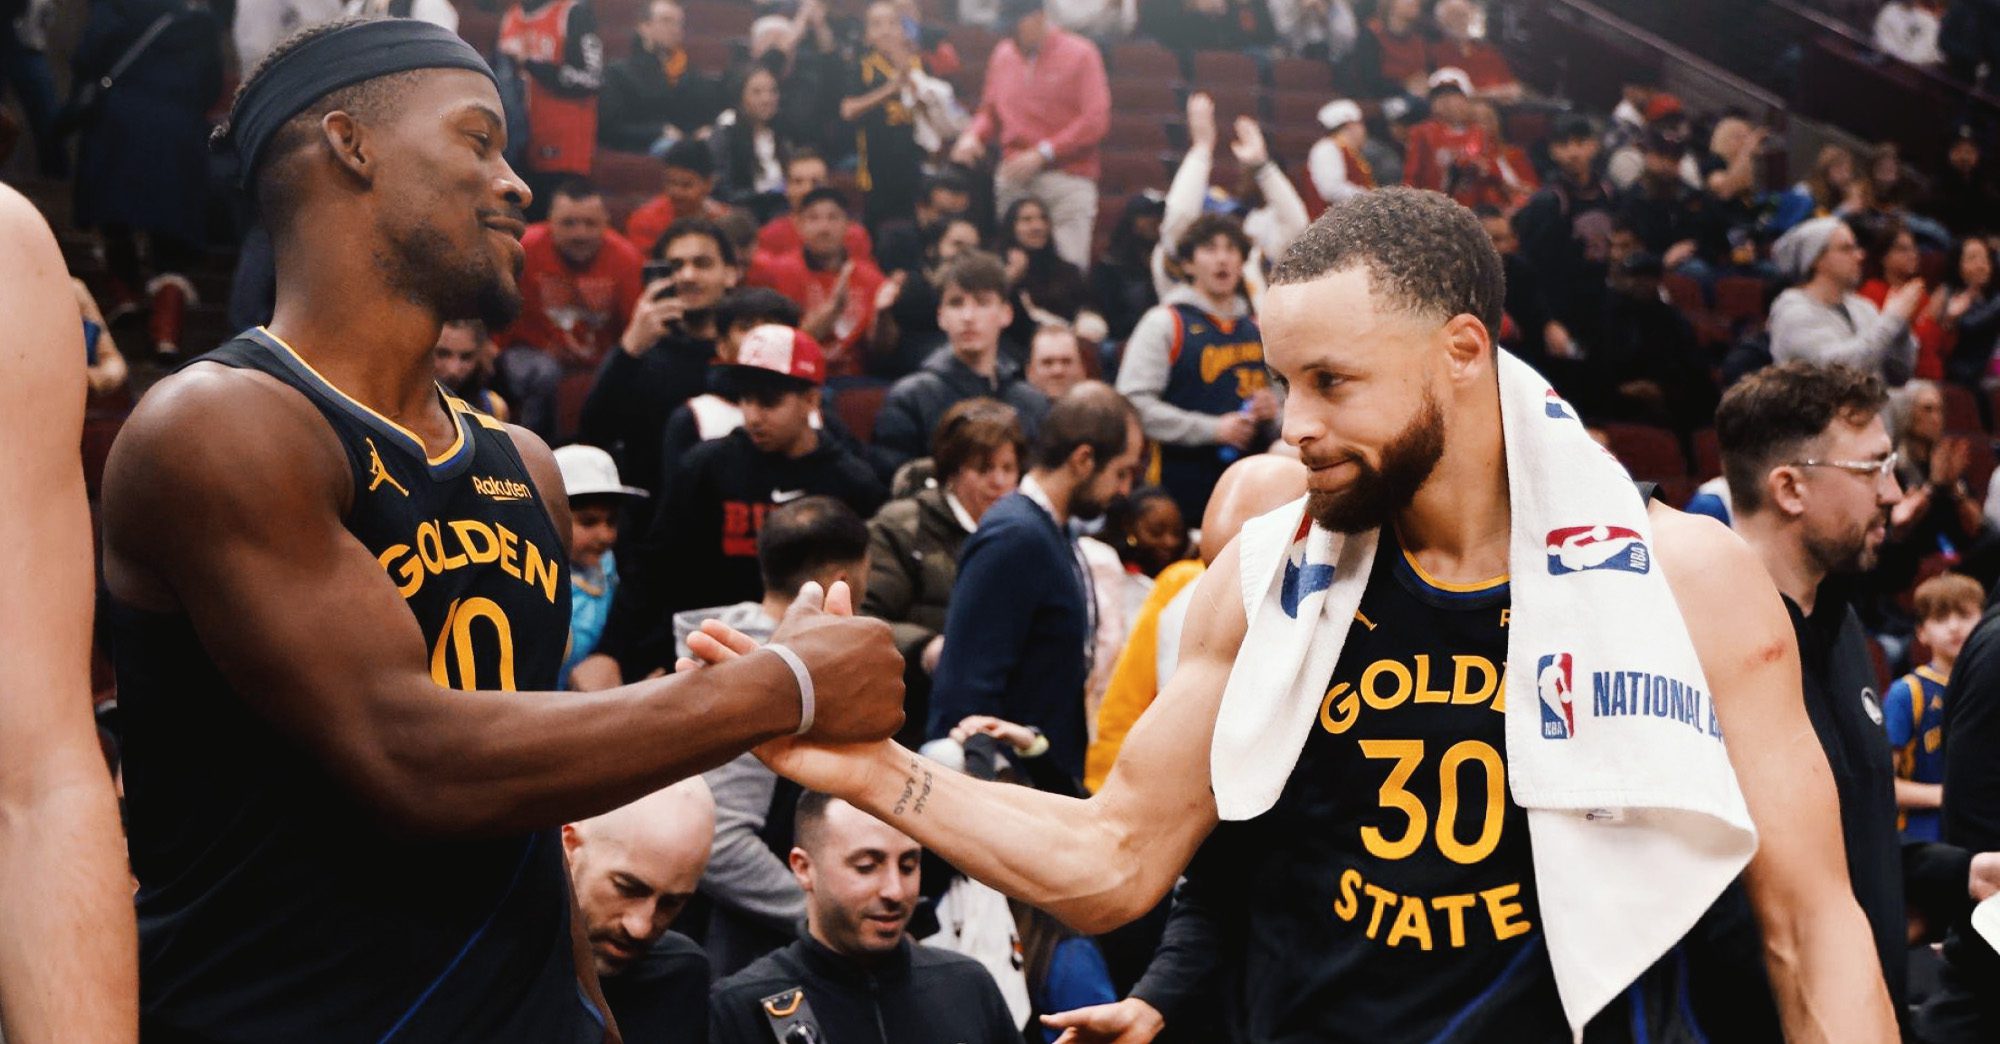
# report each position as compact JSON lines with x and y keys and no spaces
{"x":633,"y":870}
{"x":1248,"y":488}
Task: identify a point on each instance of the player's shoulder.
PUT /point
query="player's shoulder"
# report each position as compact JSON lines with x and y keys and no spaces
{"x":225,"y":423}
{"x":1700,"y":553}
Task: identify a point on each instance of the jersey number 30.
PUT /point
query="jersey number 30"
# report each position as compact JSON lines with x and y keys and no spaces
{"x":1409,"y":757}
{"x":456,"y":651}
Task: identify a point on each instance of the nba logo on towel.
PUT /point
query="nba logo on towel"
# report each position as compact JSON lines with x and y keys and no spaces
{"x":1579,"y":549}
{"x":1553,"y":682}
{"x":1554,"y":405}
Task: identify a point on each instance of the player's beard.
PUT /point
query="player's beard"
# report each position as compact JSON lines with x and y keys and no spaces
{"x":423,"y":266}
{"x":1377,"y":493}
{"x":1846,"y":552}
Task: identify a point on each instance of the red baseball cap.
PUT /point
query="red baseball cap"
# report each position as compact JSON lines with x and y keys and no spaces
{"x":784,"y":351}
{"x":1661,"y":107}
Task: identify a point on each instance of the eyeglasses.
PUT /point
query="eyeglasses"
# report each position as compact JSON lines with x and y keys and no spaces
{"x":1884,"y":468}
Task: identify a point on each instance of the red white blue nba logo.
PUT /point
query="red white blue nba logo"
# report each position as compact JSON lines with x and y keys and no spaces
{"x":1554,"y":682}
{"x":1581,"y":549}
{"x":1302,"y":578}
{"x":1555,"y":407}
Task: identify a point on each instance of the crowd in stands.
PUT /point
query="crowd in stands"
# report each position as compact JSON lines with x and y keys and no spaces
{"x":957,"y":304}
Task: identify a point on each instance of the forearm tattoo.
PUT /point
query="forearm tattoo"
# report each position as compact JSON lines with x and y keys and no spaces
{"x":917,"y":786}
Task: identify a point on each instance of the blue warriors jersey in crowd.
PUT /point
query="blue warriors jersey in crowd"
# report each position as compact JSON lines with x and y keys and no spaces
{"x":1390,"y":894}
{"x":1914,"y":715}
{"x":273,"y":905}
{"x":1217,"y":365}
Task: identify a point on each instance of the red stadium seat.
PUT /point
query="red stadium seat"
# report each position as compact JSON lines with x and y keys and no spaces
{"x":1144,"y":60}
{"x":479,"y":28}
{"x":1931,"y":265}
{"x":1232,"y":99}
{"x":1961,"y":410}
{"x":1740,"y":298}
{"x":974,"y":43}
{"x":626,"y":172}
{"x":1649,"y":453}
{"x":1979,"y":464}
{"x":1685,"y":293}
{"x":1303,"y":74}
{"x":1880,"y":661}
{"x":1126,"y":172}
{"x":1298,"y":110}
{"x":716,"y":18}
{"x":1137,"y":132}
{"x":1155,"y":97}
{"x":1224,"y":67}
{"x":575,"y":388}
{"x":618,"y":19}
{"x":1289,"y":144}
{"x":1525,"y":126}
{"x":710,"y":54}
{"x":1707,"y":454}
{"x":857,"y":407}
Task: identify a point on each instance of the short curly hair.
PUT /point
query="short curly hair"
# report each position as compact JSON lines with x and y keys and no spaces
{"x":1766,"y":417}
{"x":1423,"y":253}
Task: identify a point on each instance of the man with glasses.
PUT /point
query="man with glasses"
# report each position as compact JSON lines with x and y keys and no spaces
{"x":1811,"y":473}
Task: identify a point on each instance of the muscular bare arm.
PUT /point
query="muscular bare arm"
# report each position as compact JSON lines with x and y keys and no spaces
{"x":1121,"y":850}
{"x":224,"y":497}
{"x":1824,"y":972}
{"x":68,"y":947}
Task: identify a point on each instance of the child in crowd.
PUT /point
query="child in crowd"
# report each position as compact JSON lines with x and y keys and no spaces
{"x":595,"y":497}
{"x":1947,"y":608}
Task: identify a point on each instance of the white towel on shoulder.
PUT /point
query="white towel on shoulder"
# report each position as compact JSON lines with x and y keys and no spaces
{"x":1635,"y":817}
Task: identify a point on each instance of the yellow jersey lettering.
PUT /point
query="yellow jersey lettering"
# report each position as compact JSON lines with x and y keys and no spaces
{"x":1426,"y":694}
{"x":1454,"y":907}
{"x":1505,"y":910}
{"x":508,"y":554}
{"x":430,"y":547}
{"x":1412,"y":922}
{"x":1462,"y":670}
{"x":1370,"y":678}
{"x":1383,"y":897}
{"x":412,"y":570}
{"x":1348,"y":904}
{"x":540,"y":572}
{"x":1217,"y":358}
{"x":480,"y":545}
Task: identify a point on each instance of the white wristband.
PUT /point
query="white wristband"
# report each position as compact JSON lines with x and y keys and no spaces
{"x":805,"y":679}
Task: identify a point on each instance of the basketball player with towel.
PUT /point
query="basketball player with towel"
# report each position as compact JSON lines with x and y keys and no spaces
{"x":1473,"y":782}
{"x":339,"y":599}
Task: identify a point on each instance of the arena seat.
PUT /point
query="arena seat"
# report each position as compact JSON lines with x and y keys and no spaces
{"x":974,"y":43}
{"x":1126,"y":172}
{"x":1979,"y":464}
{"x":1224,"y":67}
{"x":1649,"y":453}
{"x":1961,"y":410}
{"x":857,"y":407}
{"x":479,"y":28}
{"x":1232,"y":99}
{"x":717,"y":18}
{"x":1740,"y":299}
{"x":1144,"y":60}
{"x":711,"y":54}
{"x":626,"y":172}
{"x":1303,"y":74}
{"x":1707,"y":454}
{"x":575,"y":388}
{"x":1297,"y":110}
{"x":1137,"y":132}
{"x":1684,"y":292}
{"x":1289,"y":145}
{"x":1156,"y":97}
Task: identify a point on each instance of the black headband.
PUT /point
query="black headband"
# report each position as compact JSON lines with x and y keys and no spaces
{"x":340,"y":58}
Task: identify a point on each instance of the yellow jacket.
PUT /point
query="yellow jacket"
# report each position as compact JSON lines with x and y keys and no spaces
{"x":1134,"y":680}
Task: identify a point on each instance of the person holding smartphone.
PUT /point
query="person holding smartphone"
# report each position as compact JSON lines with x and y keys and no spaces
{"x":662,"y":357}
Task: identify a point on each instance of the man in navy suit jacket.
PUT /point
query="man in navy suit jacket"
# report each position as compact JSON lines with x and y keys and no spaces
{"x":1018,"y":634}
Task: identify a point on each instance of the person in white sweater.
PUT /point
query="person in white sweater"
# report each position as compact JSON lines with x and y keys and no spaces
{"x":1822,"y":320}
{"x":1339,"y":171}
{"x":1271,"y":227}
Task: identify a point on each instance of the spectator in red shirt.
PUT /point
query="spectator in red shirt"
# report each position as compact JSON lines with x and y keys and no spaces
{"x":1392,"y":56}
{"x":1492,"y":78}
{"x":1897,"y":265}
{"x":838,"y":292}
{"x":1449,"y":153}
{"x":805,"y":170}
{"x":690,"y":177}
{"x":554,"y":45}
{"x":1048,"y":106}
{"x":578,"y":285}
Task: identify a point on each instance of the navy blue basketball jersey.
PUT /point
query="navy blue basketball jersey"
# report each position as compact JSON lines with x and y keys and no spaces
{"x":1390,"y":894}
{"x":1217,"y":366}
{"x":274,"y":906}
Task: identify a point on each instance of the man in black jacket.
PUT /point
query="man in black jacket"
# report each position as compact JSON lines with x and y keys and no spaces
{"x":662,"y":359}
{"x":702,"y":547}
{"x":1565,"y":228}
{"x":972,"y":311}
{"x":1810,"y":473}
{"x":855,"y":975}
{"x":655,"y":96}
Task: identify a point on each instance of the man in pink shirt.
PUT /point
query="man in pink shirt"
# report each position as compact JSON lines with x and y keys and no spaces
{"x":1048,"y":106}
